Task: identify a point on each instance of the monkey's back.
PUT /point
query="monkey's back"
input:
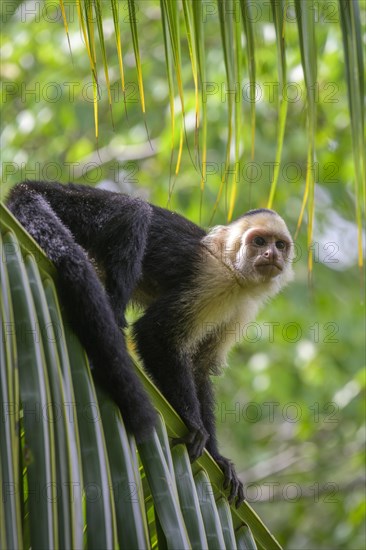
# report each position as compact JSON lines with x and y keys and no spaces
{"x":173,"y":251}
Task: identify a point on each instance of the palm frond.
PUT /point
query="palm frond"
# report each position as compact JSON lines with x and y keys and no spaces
{"x":354,"y":64}
{"x":184,"y":20}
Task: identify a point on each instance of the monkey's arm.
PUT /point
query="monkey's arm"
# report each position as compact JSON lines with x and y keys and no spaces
{"x":156,"y":334}
{"x":206,"y":361}
{"x":207,"y":403}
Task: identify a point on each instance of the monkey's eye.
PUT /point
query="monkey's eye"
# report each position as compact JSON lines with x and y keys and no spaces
{"x":280,"y":245}
{"x":259,"y":241}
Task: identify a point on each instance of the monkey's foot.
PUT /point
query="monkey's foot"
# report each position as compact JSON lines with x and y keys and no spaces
{"x":195,"y":441}
{"x":231,"y":480}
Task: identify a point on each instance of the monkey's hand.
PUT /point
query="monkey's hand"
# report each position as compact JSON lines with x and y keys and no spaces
{"x":195,"y":441}
{"x":231,"y":479}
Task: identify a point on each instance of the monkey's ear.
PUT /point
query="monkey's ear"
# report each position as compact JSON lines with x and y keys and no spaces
{"x":216,"y":231}
{"x":217,"y":228}
{"x":216,"y":237}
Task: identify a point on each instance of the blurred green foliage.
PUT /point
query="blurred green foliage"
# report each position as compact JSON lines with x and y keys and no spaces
{"x":290,"y":410}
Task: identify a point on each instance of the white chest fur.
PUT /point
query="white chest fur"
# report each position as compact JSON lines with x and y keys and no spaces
{"x":222,"y":305}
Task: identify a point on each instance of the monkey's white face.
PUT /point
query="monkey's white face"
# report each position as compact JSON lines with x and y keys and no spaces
{"x":257,"y":247}
{"x":264,"y":254}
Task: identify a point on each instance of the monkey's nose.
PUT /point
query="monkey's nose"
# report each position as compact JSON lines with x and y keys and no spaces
{"x":268,"y":253}
{"x":271,"y":254}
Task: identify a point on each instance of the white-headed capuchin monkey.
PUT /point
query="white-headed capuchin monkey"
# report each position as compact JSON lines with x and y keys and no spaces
{"x":194,"y":287}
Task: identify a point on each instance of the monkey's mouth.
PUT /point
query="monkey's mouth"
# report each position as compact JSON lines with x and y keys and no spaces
{"x":270,"y":269}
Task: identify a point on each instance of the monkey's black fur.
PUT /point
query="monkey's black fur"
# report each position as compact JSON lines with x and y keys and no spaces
{"x":139,"y":248}
{"x":259,"y":211}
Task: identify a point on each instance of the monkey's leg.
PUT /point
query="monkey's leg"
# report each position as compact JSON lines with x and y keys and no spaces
{"x":171,"y":369}
{"x":89,"y":310}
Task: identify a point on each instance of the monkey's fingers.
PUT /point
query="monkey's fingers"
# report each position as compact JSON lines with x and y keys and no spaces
{"x":241,"y":496}
{"x":231,"y":480}
{"x":196,"y":448}
{"x":195,"y":441}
